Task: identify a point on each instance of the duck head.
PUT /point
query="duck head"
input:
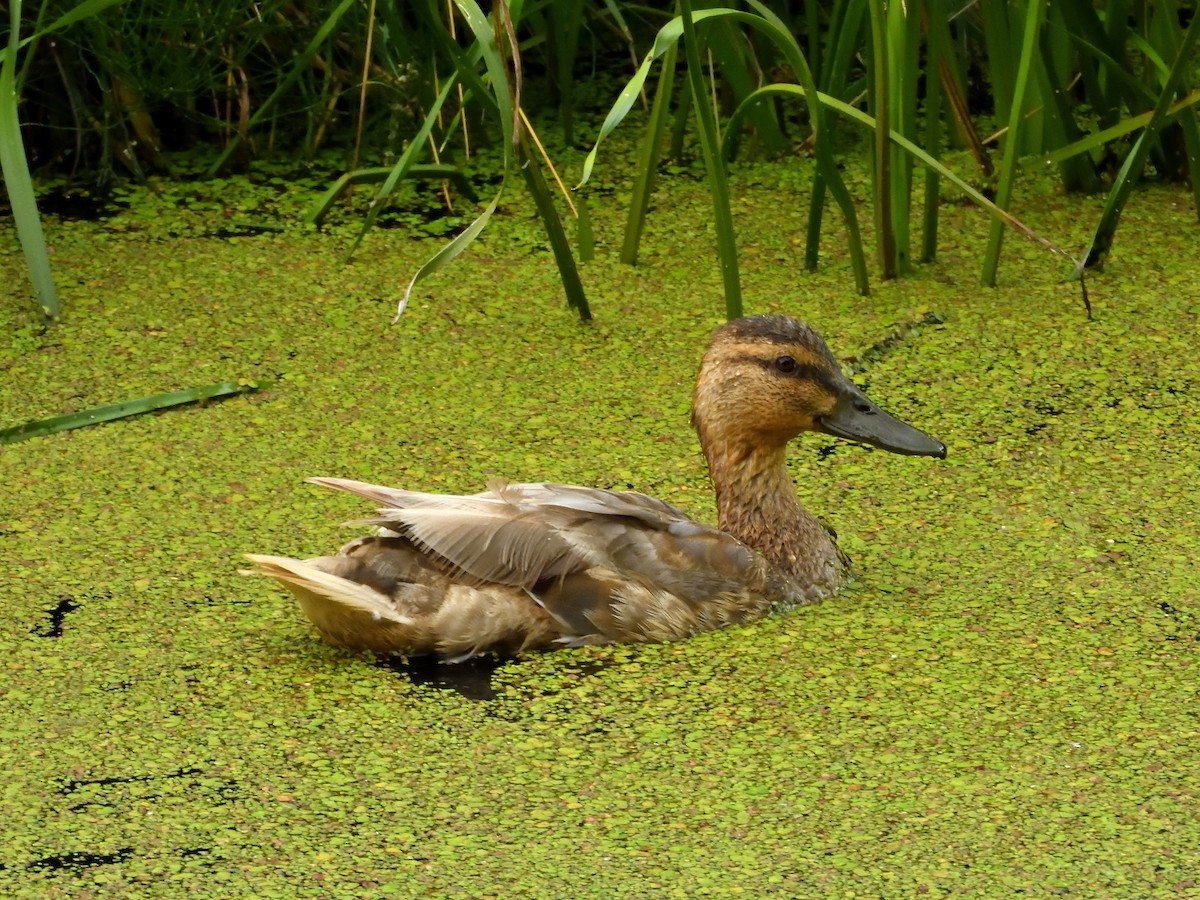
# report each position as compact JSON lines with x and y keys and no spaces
{"x":766,"y":379}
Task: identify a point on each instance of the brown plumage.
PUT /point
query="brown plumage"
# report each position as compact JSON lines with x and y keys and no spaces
{"x":527,"y":566}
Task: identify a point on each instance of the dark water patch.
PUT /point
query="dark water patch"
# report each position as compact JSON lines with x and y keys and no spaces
{"x":71,"y":785}
{"x":244,"y":230}
{"x":91,"y":792}
{"x":549,"y":684}
{"x":207,"y":600}
{"x":471,"y":679}
{"x":77,"y":862}
{"x":421,"y":222}
{"x":485,"y":180}
{"x":58,"y":616}
{"x":827,"y":451}
{"x":899,"y":335}
{"x":1046,"y":409}
{"x":1183,"y":621}
{"x":682,"y":169}
{"x":79,"y":204}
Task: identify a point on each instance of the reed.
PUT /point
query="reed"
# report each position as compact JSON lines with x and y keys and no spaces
{"x":1105,"y":92}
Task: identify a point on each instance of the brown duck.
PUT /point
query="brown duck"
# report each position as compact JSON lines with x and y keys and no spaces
{"x":525,"y":566}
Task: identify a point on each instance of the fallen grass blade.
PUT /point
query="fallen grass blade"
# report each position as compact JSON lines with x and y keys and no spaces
{"x":100,"y":414}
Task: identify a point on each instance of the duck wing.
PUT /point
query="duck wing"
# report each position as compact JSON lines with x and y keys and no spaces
{"x":607,"y":565}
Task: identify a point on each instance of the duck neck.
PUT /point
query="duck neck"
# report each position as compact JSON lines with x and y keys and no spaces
{"x":757,"y":504}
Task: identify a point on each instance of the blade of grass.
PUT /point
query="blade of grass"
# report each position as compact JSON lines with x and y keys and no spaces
{"x":531,"y":169}
{"x":648,"y":156}
{"x":828,"y":174}
{"x":1132,"y":168}
{"x":770,"y":25}
{"x":18,"y":181}
{"x":443,"y":257}
{"x":1078,"y":174}
{"x":100,"y":414}
{"x":1127,"y":126}
{"x":77,"y":13}
{"x":683,"y":112}
{"x":904,"y":24}
{"x":999,"y":47}
{"x":566,"y":17}
{"x":505,"y":103}
{"x":501,"y":101}
{"x":1167,"y":34}
{"x":925,"y":159}
{"x":402,"y":167}
{"x":728,"y":46}
{"x":885,"y":237}
{"x":846,"y":22}
{"x":714,"y":161}
{"x":1035,"y":14}
{"x":936,"y":50}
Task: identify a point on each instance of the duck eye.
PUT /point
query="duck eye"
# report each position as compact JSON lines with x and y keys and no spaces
{"x":785,"y":364}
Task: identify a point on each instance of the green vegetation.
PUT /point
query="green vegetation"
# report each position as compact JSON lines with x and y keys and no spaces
{"x":1003,"y":699}
{"x":426,"y":84}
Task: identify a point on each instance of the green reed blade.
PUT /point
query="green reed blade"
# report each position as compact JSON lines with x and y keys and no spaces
{"x":648,"y":156}
{"x":100,"y":414}
{"x":714,"y":160}
{"x":827,"y":169}
{"x":1035,"y":14}
{"x":18,"y":181}
{"x":531,"y":169}
{"x":1132,"y":168}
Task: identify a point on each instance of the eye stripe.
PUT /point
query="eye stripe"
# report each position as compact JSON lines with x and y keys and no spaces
{"x":803,"y":370}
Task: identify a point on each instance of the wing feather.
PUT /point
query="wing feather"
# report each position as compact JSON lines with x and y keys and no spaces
{"x":572,"y":548}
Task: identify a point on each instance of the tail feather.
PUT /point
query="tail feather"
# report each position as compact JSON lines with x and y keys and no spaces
{"x":311,"y":578}
{"x":347,"y":613}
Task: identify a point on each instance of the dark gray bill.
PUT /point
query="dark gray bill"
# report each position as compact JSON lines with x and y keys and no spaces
{"x":858,"y":419}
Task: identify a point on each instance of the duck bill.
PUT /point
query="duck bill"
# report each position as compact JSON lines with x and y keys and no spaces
{"x":856,"y":418}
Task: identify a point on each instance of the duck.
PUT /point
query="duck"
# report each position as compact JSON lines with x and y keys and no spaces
{"x":525,"y":567}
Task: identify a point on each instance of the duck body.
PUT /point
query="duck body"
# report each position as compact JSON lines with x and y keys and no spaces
{"x":535,"y":566}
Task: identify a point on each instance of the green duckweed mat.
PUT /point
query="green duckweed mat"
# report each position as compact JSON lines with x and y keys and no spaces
{"x":1003,"y":701}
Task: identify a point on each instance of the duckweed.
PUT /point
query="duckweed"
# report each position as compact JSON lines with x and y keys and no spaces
{"x":1003,"y":700}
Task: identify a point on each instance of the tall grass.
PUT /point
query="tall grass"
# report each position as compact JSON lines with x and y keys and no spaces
{"x":1106,"y":92}
{"x":17,"y":180}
